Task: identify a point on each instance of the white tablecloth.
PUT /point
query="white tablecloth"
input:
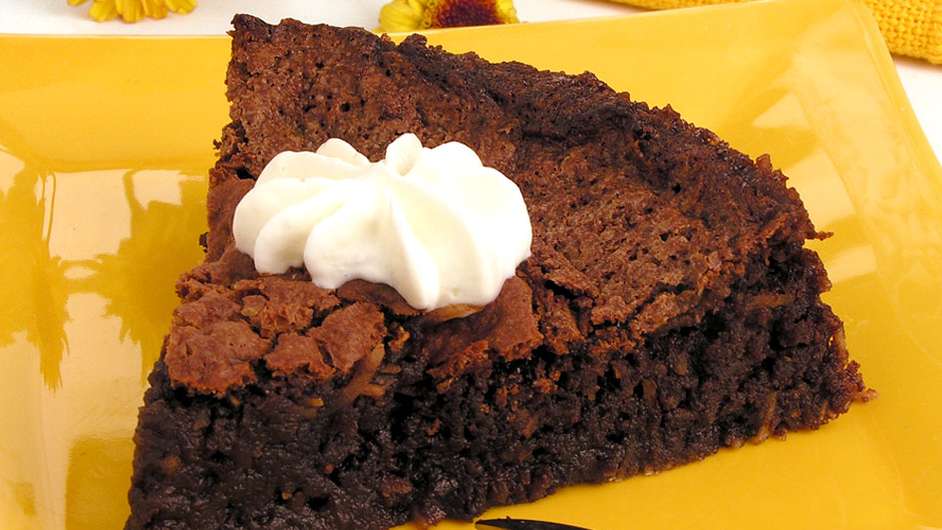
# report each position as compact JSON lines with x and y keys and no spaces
{"x":923,"y":82}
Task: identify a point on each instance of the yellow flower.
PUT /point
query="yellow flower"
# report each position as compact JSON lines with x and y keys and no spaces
{"x":411,"y":15}
{"x":134,"y":10}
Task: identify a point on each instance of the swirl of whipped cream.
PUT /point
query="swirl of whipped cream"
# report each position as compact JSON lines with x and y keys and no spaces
{"x":435,"y":224}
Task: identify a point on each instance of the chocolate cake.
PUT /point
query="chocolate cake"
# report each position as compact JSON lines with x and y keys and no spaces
{"x":669,"y":307}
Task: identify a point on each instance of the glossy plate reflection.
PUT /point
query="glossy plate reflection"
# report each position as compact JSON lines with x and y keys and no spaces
{"x":104,"y":147}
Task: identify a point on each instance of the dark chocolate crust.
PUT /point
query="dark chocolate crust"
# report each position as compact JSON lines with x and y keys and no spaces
{"x":669,"y":308}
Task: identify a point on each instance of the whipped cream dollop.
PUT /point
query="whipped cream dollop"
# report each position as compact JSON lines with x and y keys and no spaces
{"x":435,"y":224}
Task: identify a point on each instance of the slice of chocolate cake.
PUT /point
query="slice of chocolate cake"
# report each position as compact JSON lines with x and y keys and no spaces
{"x":668,"y":308}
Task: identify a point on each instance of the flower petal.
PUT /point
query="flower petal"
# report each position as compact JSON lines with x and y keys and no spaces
{"x":103,"y":10}
{"x":130,"y":10}
{"x":403,"y":15}
{"x":155,"y":8}
{"x":506,"y":11}
{"x":181,"y":6}
{"x":76,"y":2}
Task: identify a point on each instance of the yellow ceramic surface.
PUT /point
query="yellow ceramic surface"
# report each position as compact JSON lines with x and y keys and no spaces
{"x":104,"y":147}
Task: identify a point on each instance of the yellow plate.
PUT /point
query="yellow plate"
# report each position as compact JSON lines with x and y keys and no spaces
{"x":105,"y":146}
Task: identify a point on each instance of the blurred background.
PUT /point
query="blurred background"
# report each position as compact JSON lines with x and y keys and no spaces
{"x":922,"y":80}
